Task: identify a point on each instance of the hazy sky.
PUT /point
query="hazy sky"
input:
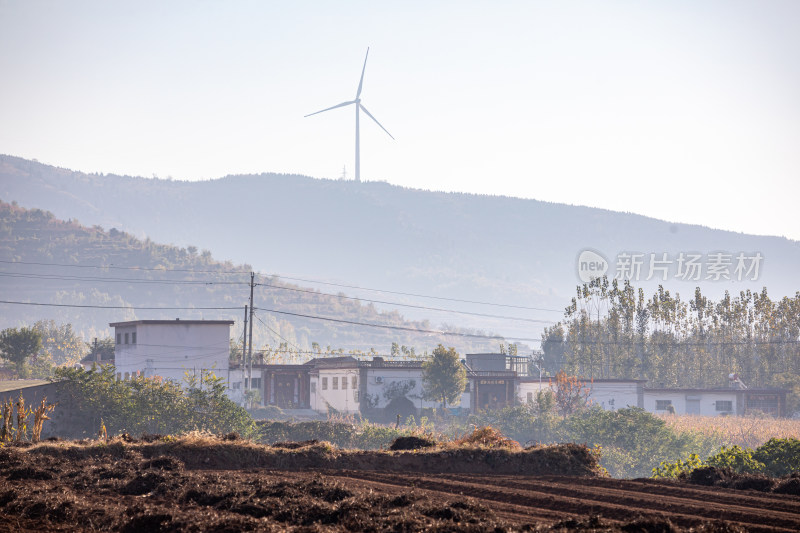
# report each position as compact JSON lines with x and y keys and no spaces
{"x":682,"y":110}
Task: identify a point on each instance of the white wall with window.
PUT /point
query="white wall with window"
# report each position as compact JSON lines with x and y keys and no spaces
{"x":691,"y":401}
{"x":172,"y":348}
{"x":335,"y":388}
{"x":615,"y":394}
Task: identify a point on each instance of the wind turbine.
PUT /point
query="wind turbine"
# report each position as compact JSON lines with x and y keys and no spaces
{"x":359,"y":107}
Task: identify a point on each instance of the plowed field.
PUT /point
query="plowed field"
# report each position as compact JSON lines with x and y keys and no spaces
{"x":148,"y":488}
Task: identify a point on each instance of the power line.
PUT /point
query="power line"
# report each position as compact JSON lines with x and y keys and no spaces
{"x":113,"y":267}
{"x":117,"y":280}
{"x":304,"y":280}
{"x":419,"y":295}
{"x":308,"y":291}
{"x":88,"y":306}
{"x":398,"y":328}
{"x":276,"y":333}
{"x":268,"y":285}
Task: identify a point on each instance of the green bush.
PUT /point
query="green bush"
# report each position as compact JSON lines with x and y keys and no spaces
{"x":136,"y":406}
{"x":633,"y":440}
{"x":738,"y":459}
{"x":671,"y":470}
{"x":780,"y":456}
{"x":776,"y":457}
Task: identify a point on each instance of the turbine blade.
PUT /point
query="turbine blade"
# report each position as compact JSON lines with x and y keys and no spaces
{"x":364,"y":109}
{"x":329,"y":108}
{"x":361,"y":82}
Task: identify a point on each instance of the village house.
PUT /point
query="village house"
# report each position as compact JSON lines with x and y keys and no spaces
{"x":377,"y":388}
{"x":716,"y":402}
{"x":382,"y":389}
{"x":173,"y":349}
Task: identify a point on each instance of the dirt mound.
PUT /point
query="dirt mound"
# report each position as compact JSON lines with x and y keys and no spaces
{"x":168,"y":485}
{"x":790,"y":485}
{"x":295,"y":445}
{"x":411,"y":443}
{"x":488,"y":437}
{"x":164,"y":462}
{"x":710,"y":475}
{"x":725,"y":477}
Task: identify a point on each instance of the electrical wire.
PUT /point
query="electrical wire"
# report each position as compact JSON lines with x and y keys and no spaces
{"x":426,"y":308}
{"x":95,"y":279}
{"x":128,"y":307}
{"x":117,"y":280}
{"x":304,"y":280}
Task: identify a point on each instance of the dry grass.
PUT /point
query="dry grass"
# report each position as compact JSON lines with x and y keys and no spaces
{"x":489,"y":453}
{"x":745,"y":431}
{"x":487,"y":437}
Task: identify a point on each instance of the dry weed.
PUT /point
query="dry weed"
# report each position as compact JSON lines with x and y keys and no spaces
{"x":744,"y":431}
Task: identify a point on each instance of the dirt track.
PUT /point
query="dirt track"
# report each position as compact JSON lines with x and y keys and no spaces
{"x":135,"y":492}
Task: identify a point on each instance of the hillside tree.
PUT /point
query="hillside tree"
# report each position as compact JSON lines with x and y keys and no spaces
{"x":18,"y":344}
{"x":443,"y":377}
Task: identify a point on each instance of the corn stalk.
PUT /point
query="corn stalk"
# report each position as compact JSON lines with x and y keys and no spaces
{"x":23,"y":412}
{"x":7,"y":428}
{"x":39,"y":416}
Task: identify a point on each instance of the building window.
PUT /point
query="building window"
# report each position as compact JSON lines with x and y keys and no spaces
{"x":133,"y":338}
{"x":255,"y":383}
{"x":530,"y":397}
{"x":355,"y":395}
{"x":335,"y":384}
{"x":766,"y":403}
{"x":663,"y":405}
{"x":467,"y":387}
{"x":354,"y":383}
{"x":324,"y":383}
{"x":344,"y":383}
{"x":119,"y":338}
{"x":313,"y":387}
{"x":724,"y":405}
{"x":126,"y":338}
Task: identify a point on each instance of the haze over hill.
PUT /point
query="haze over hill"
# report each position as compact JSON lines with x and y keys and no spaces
{"x":54,"y":266}
{"x":479,"y":248}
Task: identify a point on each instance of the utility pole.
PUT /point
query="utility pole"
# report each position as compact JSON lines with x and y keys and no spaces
{"x":250,"y":345}
{"x":96,"y":353}
{"x":244,"y":344}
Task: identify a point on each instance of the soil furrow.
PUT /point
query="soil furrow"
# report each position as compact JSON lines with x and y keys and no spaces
{"x":714,"y":505}
{"x":624,"y":505}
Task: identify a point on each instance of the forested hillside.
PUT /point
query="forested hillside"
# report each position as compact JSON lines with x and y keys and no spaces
{"x":510,"y":251}
{"x":88,"y":277}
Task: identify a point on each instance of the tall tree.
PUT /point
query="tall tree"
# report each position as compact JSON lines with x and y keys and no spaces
{"x":16,"y":345}
{"x":443,"y":377}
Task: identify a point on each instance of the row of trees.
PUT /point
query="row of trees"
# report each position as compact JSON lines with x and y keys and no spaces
{"x":35,"y":351}
{"x":616,"y":331}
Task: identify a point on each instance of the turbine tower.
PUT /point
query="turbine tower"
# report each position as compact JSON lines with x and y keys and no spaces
{"x":359,"y":107}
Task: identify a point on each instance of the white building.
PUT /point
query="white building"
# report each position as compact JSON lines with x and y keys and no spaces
{"x":384,"y":389}
{"x":610,"y":394}
{"x":374,"y":388}
{"x":334,"y":385}
{"x":613,"y":394}
{"x":172,"y":349}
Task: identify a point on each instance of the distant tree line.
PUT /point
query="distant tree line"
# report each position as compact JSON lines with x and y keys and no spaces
{"x":612,"y":330}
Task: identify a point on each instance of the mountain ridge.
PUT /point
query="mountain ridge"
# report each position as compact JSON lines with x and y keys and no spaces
{"x":502,"y":249}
